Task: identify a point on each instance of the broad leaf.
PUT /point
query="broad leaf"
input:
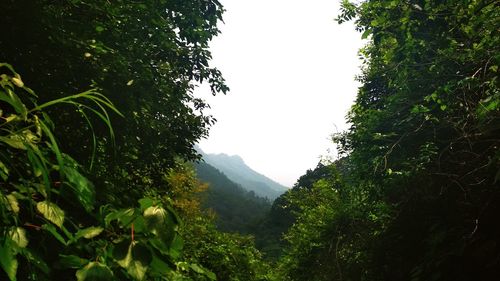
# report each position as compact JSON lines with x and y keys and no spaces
{"x":71,"y":261}
{"x":10,"y":201}
{"x":124,"y":216}
{"x":146,"y":203}
{"x":81,"y":186}
{"x":51,"y":211}
{"x":155,"y":218}
{"x":18,"y":236}
{"x":159,"y":267}
{"x":89,"y":232}
{"x":135,"y":259}
{"x":8,"y":260}
{"x":176,"y":246}
{"x":160,"y":222}
{"x":15,"y":141}
{"x":94,"y":271}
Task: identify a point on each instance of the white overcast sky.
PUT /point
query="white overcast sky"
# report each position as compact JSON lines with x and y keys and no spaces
{"x":291,"y":71}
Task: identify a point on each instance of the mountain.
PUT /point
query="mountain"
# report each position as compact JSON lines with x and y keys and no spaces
{"x":236,"y":170}
{"x":237,"y":210}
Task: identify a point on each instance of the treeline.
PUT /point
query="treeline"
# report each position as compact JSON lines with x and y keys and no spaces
{"x":416,"y":192}
{"x":98,"y":120}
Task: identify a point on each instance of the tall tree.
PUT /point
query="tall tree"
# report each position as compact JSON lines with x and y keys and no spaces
{"x":421,"y":170}
{"x":146,"y":57}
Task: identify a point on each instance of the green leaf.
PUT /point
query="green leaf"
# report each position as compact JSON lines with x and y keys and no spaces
{"x":135,"y":259}
{"x":51,"y":212}
{"x":18,"y":236}
{"x":10,"y":201}
{"x":160,"y":222}
{"x":4,"y":171}
{"x":94,"y":271}
{"x":11,"y":98}
{"x":197,"y":268}
{"x":52,"y":230}
{"x":137,"y":269}
{"x":146,"y":203}
{"x":8,"y":260}
{"x":71,"y":261}
{"x":155,"y":217}
{"x":82,"y":188}
{"x":89,"y":232}
{"x":159,"y":267}
{"x":124,"y":216}
{"x":176,"y":246}
{"x":366,"y":33}
{"x":14,"y":141}
{"x":201,"y":270}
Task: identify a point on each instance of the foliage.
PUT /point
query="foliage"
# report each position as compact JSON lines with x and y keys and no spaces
{"x":117,"y":216}
{"x":419,"y":195}
{"x":146,"y":57}
{"x":48,"y":202}
{"x":282,"y":215}
{"x":230,"y":256}
{"x":236,"y":209}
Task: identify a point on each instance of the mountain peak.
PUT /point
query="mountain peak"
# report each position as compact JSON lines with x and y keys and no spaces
{"x":232,"y":157}
{"x":235,"y":168}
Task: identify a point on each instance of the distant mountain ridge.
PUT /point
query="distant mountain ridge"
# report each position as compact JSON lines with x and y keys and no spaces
{"x":235,"y":168}
{"x":237,"y":209}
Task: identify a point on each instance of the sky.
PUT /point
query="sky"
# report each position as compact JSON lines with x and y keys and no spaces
{"x":291,"y":70}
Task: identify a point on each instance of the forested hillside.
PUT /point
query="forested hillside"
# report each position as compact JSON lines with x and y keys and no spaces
{"x":236,"y":209}
{"x":238,"y":171}
{"x":98,"y":126}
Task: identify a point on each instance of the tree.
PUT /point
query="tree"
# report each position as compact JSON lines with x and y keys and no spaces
{"x":145,"y":57}
{"x":421,"y":163}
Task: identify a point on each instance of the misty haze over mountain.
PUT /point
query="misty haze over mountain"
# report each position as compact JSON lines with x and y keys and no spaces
{"x":236,"y":170}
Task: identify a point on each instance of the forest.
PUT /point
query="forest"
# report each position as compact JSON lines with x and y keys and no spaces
{"x":98,"y":164}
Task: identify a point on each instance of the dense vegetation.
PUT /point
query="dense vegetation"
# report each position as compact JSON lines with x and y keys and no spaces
{"x":416,"y":195}
{"x":95,"y":184}
{"x":94,"y":161}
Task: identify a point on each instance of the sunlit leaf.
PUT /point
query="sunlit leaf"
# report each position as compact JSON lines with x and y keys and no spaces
{"x":51,"y":212}
{"x":89,"y":232}
{"x":155,"y":218}
{"x":11,"y":203}
{"x":15,"y":141}
{"x":18,"y":236}
{"x":135,"y":258}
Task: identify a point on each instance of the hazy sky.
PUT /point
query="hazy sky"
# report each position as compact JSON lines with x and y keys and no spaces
{"x":291,"y":71}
